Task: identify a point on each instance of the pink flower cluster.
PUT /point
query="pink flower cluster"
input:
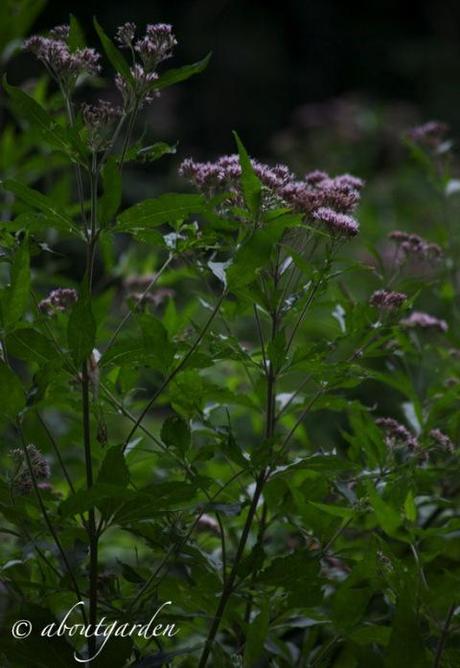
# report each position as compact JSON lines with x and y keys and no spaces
{"x":424,"y":321}
{"x":64,"y":65}
{"x":156,"y":46}
{"x":322,"y":198}
{"x":23,"y":480}
{"x":414,"y":245}
{"x":58,"y":300}
{"x":431,"y":134}
{"x":387,"y":299}
{"x":98,"y":119}
{"x":442,"y":440}
{"x":396,"y":434}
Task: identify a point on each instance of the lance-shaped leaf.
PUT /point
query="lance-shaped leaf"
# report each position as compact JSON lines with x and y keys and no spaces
{"x":179,"y":74}
{"x":250,"y":182}
{"x":113,"y":54}
{"x":53,"y":215}
{"x":110,"y":201}
{"x":81,"y":330}
{"x":12,"y":397}
{"x":167,"y":208}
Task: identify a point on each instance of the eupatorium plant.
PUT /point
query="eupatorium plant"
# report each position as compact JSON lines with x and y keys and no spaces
{"x":193,"y":419}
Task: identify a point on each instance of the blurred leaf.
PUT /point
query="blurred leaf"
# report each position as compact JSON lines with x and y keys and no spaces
{"x":30,"y":345}
{"x":256,"y":637}
{"x":114,"y":470}
{"x":17,"y":295}
{"x":110,"y":201}
{"x":76,"y":36}
{"x":81,"y":331}
{"x":12,"y":397}
{"x":175,"y":433}
{"x":53,"y":216}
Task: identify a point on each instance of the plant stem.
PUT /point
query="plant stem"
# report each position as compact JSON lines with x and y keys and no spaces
{"x":92,"y":529}
{"x":175,"y":371}
{"x":443,"y":638}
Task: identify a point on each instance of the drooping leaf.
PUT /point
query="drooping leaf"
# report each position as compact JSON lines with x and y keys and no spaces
{"x":53,"y":216}
{"x":30,"y":345}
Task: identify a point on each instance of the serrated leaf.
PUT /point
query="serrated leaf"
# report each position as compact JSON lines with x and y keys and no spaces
{"x":53,"y":215}
{"x":167,"y":208}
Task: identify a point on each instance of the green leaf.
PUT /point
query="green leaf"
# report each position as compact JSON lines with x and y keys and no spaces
{"x":167,"y":208}
{"x":252,"y":255}
{"x":177,"y":75}
{"x":410,"y":509}
{"x":388,"y":518}
{"x":85,"y":499}
{"x":256,"y":636}
{"x":17,"y":295}
{"x":113,"y":54}
{"x":407,"y":645}
{"x":76,"y":37}
{"x":175,"y":433}
{"x":114,"y":470}
{"x":30,"y":345}
{"x":110,"y":201}
{"x":155,"y":152}
{"x":26,"y":107}
{"x":53,"y":216}
{"x":157,"y":345}
{"x":81,"y":331}
{"x":12,"y":397}
{"x":250,"y":182}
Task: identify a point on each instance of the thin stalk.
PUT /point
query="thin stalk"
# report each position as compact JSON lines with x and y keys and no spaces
{"x":444,"y":635}
{"x":143,"y":294}
{"x":92,"y":529}
{"x":174,"y":372}
{"x":49,"y":524}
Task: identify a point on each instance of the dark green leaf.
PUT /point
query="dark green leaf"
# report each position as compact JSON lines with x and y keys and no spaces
{"x":250,"y":182}
{"x":12,"y":397}
{"x":256,"y":637}
{"x":30,"y":345}
{"x":175,"y":433}
{"x":167,"y":208}
{"x":181,"y":74}
{"x":81,"y":331}
{"x":113,"y":54}
{"x":17,"y":296}
{"x":110,"y":201}
{"x":114,"y":470}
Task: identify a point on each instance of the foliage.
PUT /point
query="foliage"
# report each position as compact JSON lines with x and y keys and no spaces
{"x":234,"y":407}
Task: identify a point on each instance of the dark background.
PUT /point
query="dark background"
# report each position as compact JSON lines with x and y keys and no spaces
{"x":271,"y":57}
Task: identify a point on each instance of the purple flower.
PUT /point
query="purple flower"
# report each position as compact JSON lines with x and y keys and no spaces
{"x":430,"y":134}
{"x":141,"y":90}
{"x":338,"y":224}
{"x":58,"y":300}
{"x":396,"y":433}
{"x":387,"y":299}
{"x":23,"y":481}
{"x":98,"y":119}
{"x":125,"y":34}
{"x":442,"y":439}
{"x":156,"y":46}
{"x":424,"y":321}
{"x":64,"y":66}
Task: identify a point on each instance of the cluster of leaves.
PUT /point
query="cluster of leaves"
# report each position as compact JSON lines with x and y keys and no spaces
{"x":212,"y":436}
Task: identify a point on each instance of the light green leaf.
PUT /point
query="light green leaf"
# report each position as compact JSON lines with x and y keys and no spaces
{"x":250,"y":182}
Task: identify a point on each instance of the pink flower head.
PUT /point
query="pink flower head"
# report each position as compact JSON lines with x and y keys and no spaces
{"x":387,"y":299}
{"x":339,"y":224}
{"x":424,"y":321}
